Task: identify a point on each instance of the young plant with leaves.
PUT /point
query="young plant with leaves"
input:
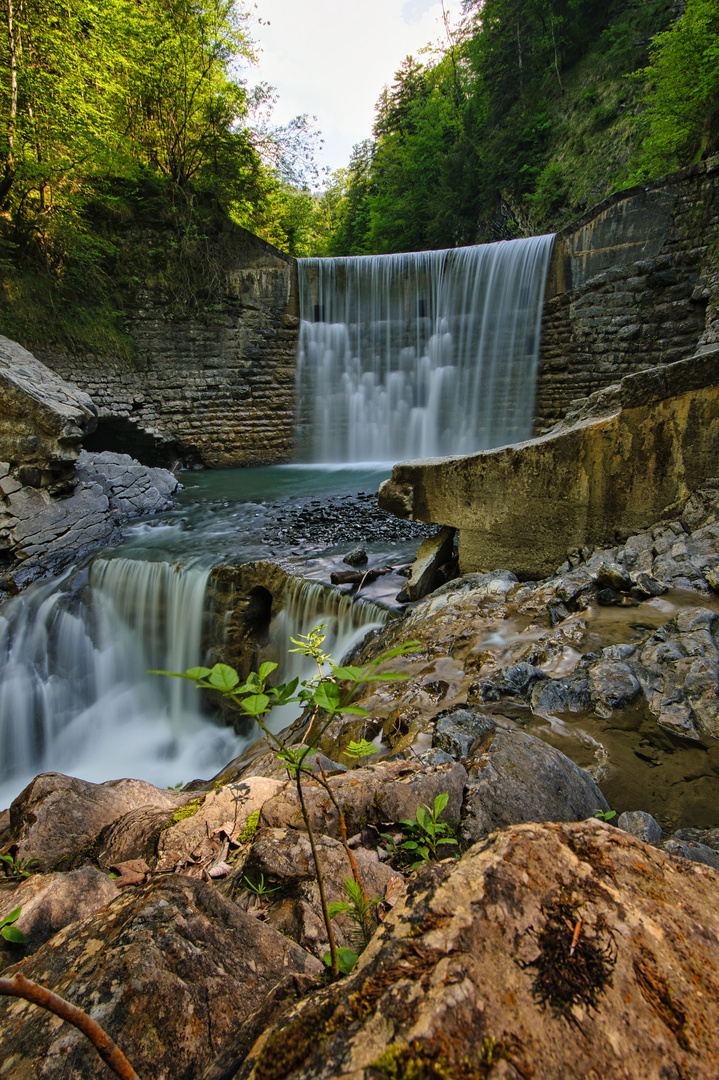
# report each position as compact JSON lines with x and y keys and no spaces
{"x":426,"y":834}
{"x":328,"y":695}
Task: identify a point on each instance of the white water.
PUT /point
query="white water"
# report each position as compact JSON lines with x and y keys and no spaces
{"x":421,"y":354}
{"x":75,"y":696}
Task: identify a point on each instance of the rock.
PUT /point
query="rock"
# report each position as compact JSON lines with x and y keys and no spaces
{"x":700,"y":853}
{"x":678,"y":669}
{"x":284,"y":857}
{"x":513,"y":778}
{"x":170,"y":971}
{"x":472,"y":973}
{"x":356,"y":557}
{"x":457,"y":729}
{"x":376,"y":794}
{"x":612,"y":685}
{"x":229,"y":806}
{"x":515,"y":681}
{"x":43,"y":419}
{"x":495,"y":584}
{"x":645,"y":585}
{"x":132,"y":836}
{"x":55,"y":817}
{"x":642,"y":825}
{"x":431,"y":554}
{"x":611,"y":575}
{"x":132,"y":489}
{"x":51,"y":901}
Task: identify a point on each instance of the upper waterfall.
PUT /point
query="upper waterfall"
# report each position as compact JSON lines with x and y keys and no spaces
{"x":420,"y":354}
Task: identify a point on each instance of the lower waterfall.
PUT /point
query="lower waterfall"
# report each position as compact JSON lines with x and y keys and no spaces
{"x":419,"y":354}
{"x":75,"y":693}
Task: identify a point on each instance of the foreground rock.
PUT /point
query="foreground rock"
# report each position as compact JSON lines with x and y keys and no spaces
{"x":546,"y":952}
{"x":170,"y":972}
{"x":55,"y":817}
{"x":51,"y":901}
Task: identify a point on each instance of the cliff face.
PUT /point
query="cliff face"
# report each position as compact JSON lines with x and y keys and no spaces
{"x":211,"y":385}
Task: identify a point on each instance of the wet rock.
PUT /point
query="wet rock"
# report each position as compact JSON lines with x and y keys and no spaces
{"x":458,"y":729}
{"x":645,"y":585}
{"x":612,"y":685}
{"x":431,"y":554}
{"x":495,"y":584}
{"x":678,"y":669}
{"x":56,"y":817}
{"x":356,"y":557}
{"x":475,"y":965}
{"x":515,"y":681}
{"x":132,"y":489}
{"x":611,"y":575}
{"x":51,"y":901}
{"x":170,"y":971}
{"x":642,"y":825}
{"x":514,"y":778}
{"x":376,"y":794}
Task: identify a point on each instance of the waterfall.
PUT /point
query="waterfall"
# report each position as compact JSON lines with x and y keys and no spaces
{"x":308,"y":603}
{"x":420,"y":354}
{"x":74,"y":693}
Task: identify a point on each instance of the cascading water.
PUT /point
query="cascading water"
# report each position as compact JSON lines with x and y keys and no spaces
{"x":306,"y":604}
{"x":74,"y":693}
{"x":420,"y":354}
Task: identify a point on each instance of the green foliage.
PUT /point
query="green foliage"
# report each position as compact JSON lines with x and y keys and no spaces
{"x":361,"y":749}
{"x":358,"y":909}
{"x":248,"y":833}
{"x":187,"y":811}
{"x":425,"y":835}
{"x":683,"y":95}
{"x":346,"y":960}
{"x":605,"y":815}
{"x":260,"y":888}
{"x":9,"y":932}
{"x":18,"y":868}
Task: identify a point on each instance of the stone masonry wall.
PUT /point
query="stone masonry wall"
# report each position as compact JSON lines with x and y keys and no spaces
{"x":633,"y":284}
{"x":214,"y":387}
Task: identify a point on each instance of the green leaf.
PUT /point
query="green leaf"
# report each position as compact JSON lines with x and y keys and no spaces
{"x":349,"y":673}
{"x":197,"y":673}
{"x":353,"y":710}
{"x":266,"y":669}
{"x":346,"y":960}
{"x":11,"y":933}
{"x":338,"y":907}
{"x":423,"y":818}
{"x":223,"y":677}
{"x":11,"y":918}
{"x":327,"y":696}
{"x":256,"y":704}
{"x":399,"y":650}
{"x":359,"y":749}
{"x":440,"y":802}
{"x":284,"y":693}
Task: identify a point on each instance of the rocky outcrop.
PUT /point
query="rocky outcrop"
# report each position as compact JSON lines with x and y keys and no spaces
{"x":43,"y":419}
{"x":634,"y":453}
{"x":41,"y":533}
{"x":170,"y":970}
{"x":547,"y":951}
{"x":49,"y":902}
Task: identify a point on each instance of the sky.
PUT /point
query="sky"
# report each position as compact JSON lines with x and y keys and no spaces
{"x":331,"y":58}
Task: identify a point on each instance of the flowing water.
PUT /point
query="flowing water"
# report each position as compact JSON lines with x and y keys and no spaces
{"x":421,"y":354}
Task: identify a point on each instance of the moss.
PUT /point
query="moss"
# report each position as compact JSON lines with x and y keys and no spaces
{"x":248,"y":833}
{"x":442,"y":1058}
{"x":186,"y":811}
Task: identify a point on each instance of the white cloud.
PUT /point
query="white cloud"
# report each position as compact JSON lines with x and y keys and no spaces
{"x":331,"y":59}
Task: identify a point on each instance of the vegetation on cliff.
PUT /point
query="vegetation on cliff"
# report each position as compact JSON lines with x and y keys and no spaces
{"x":532,"y":112}
{"x":117,"y":122}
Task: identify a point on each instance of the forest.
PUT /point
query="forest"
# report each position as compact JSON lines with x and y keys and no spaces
{"x":118,"y":119}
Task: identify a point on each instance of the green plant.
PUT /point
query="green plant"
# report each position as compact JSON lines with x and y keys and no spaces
{"x":10,"y":932}
{"x":260,"y":888}
{"x":361,"y":749}
{"x":18,"y":868}
{"x":358,"y":910}
{"x":605,"y":815}
{"x":324,"y":697}
{"x":425,"y":834}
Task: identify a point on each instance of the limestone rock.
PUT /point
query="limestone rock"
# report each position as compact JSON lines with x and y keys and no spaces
{"x":230,"y":806}
{"x":641,"y":825}
{"x":170,"y":971}
{"x":51,"y":901}
{"x":55,"y":817}
{"x":431,"y":554}
{"x":386,"y":792}
{"x":132,"y":489}
{"x":43,"y":419}
{"x":472,"y":973}
{"x":514,"y":778}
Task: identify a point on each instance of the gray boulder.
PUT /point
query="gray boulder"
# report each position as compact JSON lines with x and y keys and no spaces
{"x":51,"y":901}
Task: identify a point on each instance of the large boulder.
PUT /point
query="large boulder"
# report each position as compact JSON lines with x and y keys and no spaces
{"x":169,"y":972}
{"x":513,"y":778}
{"x":43,"y":419}
{"x":56,"y":817}
{"x":51,"y":901}
{"x":548,"y":951}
